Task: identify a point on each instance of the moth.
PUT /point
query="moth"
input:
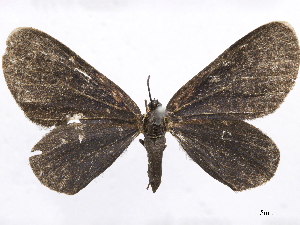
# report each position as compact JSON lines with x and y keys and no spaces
{"x":53,"y":85}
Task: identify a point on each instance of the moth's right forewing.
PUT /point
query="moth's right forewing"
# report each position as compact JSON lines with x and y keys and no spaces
{"x":74,"y":154}
{"x":249,"y":80}
{"x":50,"y":82}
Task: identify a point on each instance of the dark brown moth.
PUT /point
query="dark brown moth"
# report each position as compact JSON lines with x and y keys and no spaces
{"x":250,"y":79}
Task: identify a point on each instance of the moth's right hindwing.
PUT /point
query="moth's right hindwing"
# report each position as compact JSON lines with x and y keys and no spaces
{"x":233,"y":152}
{"x":50,"y":82}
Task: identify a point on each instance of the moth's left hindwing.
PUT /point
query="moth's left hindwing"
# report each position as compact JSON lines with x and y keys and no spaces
{"x":73,"y":155}
{"x":51,"y":84}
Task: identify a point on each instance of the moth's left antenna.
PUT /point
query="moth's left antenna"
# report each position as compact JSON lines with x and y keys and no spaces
{"x":149,"y":88}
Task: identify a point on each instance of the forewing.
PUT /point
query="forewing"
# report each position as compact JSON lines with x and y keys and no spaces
{"x":233,"y":152}
{"x":74,"y":154}
{"x":249,"y":80}
{"x":51,"y":83}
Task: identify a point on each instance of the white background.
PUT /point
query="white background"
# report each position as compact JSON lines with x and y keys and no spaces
{"x":126,"y":41}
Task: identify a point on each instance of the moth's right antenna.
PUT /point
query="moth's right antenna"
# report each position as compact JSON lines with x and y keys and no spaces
{"x":149,"y":88}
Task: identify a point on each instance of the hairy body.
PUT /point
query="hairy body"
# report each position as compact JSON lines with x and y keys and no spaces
{"x":154,"y":129}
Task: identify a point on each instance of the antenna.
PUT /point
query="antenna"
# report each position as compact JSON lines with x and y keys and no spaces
{"x":149,"y":88}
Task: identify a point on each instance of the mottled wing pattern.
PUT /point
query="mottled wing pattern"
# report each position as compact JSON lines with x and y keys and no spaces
{"x":51,"y":83}
{"x":249,"y":80}
{"x":74,"y":154}
{"x":233,"y":152}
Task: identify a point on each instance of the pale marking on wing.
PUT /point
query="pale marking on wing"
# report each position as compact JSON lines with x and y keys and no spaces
{"x":75,"y":118}
{"x":76,"y":69}
{"x":225,"y":138}
{"x":64,"y":141}
{"x":37,"y":152}
{"x":72,"y":59}
{"x":80,"y":137}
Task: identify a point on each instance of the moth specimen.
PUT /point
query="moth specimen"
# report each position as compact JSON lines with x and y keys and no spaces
{"x":250,"y":79}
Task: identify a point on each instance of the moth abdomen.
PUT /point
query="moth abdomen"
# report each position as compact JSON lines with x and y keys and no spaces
{"x":155,"y":148}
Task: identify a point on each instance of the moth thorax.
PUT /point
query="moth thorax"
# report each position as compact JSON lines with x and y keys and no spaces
{"x":154,"y":122}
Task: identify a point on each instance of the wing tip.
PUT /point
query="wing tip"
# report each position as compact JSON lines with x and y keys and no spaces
{"x":59,"y":187}
{"x":288,"y":26}
{"x":16,"y":31}
{"x":9,"y":39}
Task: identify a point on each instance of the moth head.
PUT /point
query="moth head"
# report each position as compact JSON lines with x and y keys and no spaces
{"x":154,"y":104}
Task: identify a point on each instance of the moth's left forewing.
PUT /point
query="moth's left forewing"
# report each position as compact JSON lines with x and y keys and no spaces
{"x":233,"y":152}
{"x":50,"y":82}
